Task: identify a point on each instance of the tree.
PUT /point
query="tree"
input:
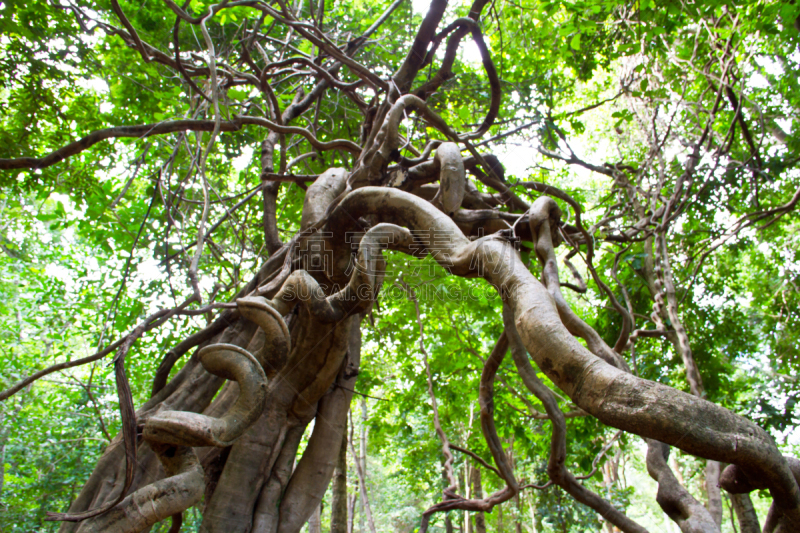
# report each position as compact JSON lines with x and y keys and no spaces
{"x":385,"y":116}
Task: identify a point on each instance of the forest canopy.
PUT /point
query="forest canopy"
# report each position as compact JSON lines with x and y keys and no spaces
{"x":349,"y":266}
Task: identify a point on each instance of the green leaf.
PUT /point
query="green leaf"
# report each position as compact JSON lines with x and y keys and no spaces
{"x":575,"y":43}
{"x":237,"y":94}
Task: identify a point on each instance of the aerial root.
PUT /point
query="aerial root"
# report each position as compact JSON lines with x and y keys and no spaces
{"x":231,"y":362}
{"x":452,"y":178}
{"x":194,"y":429}
{"x":172,"y":434}
{"x":278,"y":341}
{"x":158,"y":501}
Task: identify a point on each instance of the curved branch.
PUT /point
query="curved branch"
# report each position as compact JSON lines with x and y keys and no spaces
{"x":184,"y":428}
{"x":362,"y":288}
{"x":404,"y":76}
{"x":135,"y":36}
{"x":690,"y":515}
{"x":477,"y":457}
{"x":21,"y":384}
{"x":452,"y":181}
{"x":463,"y":26}
{"x":140,"y":131}
{"x":343,"y":144}
{"x":556,"y":468}
{"x":323,"y":72}
{"x":325,"y":44}
{"x":614,"y":396}
{"x":544,"y":219}
{"x":179,"y":64}
{"x":486,"y":401}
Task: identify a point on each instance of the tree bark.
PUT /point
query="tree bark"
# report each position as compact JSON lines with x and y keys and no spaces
{"x":448,"y":521}
{"x":315,"y":522}
{"x":339,"y":500}
{"x":351,"y":511}
{"x":362,"y":483}
{"x":661,"y":283}
{"x":745,"y":513}
{"x":712,"y":489}
{"x":477,"y":490}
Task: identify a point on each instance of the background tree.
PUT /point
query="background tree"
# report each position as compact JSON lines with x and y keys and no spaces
{"x":196,"y":203}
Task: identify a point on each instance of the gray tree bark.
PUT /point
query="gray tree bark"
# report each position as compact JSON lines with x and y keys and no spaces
{"x":477,"y":491}
{"x":315,"y":522}
{"x":339,"y":517}
{"x":745,"y":513}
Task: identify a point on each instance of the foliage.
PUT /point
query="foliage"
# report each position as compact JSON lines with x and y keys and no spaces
{"x":95,"y":243}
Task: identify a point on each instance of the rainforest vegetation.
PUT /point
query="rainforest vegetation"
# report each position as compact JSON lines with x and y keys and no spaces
{"x":410,"y":265}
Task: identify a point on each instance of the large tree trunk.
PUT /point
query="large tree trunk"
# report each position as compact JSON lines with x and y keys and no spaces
{"x":250,"y":485}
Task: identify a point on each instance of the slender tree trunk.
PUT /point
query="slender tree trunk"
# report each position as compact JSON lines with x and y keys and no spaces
{"x":448,"y":521}
{"x":3,"y":437}
{"x":745,"y":513}
{"x":468,"y":494}
{"x":499,"y":519}
{"x":448,"y":524}
{"x":351,"y":511}
{"x":339,"y":517}
{"x":362,"y":462}
{"x":713,"y":470}
{"x":480,"y":519}
{"x":362,"y":481}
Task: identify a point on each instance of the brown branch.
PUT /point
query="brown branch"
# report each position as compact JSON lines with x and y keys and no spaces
{"x":60,"y":366}
{"x":172,"y":356}
{"x":139,"y":131}
{"x":404,"y":76}
{"x":460,"y":28}
{"x":128,"y":416}
{"x":323,"y":72}
{"x":556,"y":468}
{"x":218,"y":223}
{"x":486,"y":401}
{"x":342,"y":144}
{"x":478,"y":458}
{"x":179,"y":63}
{"x":673,"y":498}
{"x":147,"y":130}
{"x":325,"y":44}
